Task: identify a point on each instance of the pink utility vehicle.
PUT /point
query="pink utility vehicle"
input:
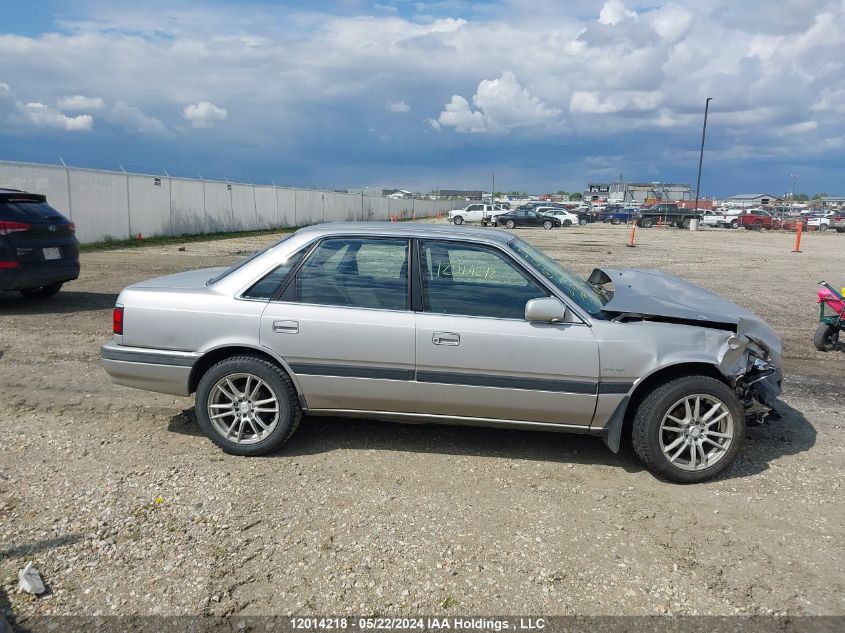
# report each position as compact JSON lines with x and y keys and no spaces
{"x":831,"y":318}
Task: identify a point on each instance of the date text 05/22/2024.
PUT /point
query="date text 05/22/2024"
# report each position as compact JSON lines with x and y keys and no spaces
{"x":418,"y":623}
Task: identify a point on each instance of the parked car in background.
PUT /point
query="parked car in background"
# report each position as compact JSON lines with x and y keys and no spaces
{"x":839,"y":223}
{"x":39,"y":251}
{"x":567,"y":218}
{"x":719,"y":219}
{"x":667,"y":213}
{"x":820,"y":222}
{"x":618,"y":215}
{"x":759,"y":219}
{"x":474,"y":213}
{"x":517,"y":218}
{"x":425,"y":323}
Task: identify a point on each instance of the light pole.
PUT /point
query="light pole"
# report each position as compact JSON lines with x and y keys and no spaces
{"x":701,"y":154}
{"x":794,"y":182}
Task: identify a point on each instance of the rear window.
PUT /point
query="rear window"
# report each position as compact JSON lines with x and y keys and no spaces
{"x":31,"y":210}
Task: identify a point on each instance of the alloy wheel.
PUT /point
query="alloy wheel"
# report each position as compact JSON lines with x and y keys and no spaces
{"x":696,"y":432}
{"x":243,"y":408}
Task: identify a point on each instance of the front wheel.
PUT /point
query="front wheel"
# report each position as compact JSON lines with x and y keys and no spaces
{"x":247,"y":405}
{"x":757,"y":225}
{"x":734,"y":224}
{"x":826,"y":337}
{"x":616,"y":221}
{"x":823,"y":227}
{"x":567,"y":223}
{"x":42,"y":292}
{"x":646,"y":223}
{"x":687,"y":223}
{"x":689,"y":429}
{"x":582,"y":221}
{"x":510,"y":224}
{"x":458,"y":220}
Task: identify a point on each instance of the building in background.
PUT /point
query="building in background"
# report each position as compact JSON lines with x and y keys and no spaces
{"x":638,"y":192}
{"x":752,"y":200}
{"x":461,"y":193}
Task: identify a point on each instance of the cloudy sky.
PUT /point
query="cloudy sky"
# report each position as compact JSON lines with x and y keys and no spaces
{"x":548,"y":94}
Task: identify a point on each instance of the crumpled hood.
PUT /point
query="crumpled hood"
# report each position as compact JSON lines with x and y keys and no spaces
{"x":186,"y":280}
{"x":656,"y":293}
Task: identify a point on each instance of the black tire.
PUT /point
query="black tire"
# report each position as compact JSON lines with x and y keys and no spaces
{"x":290,"y":413}
{"x":647,"y":223}
{"x":734,"y":224}
{"x":757,"y":225}
{"x":459,"y":219}
{"x":548,"y":224}
{"x":567,"y":223}
{"x":826,"y":337}
{"x":823,"y":227}
{"x":510,"y":224}
{"x":645,"y":435}
{"x":686,"y":223}
{"x":582,"y":221}
{"x":616,"y":221}
{"x":838,"y":230}
{"x":42,"y":292}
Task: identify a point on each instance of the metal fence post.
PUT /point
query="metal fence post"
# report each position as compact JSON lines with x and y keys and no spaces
{"x":69,"y":200}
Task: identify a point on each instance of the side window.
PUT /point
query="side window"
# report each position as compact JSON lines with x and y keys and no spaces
{"x":355,"y":272}
{"x":470,"y":280}
{"x":271,"y":283}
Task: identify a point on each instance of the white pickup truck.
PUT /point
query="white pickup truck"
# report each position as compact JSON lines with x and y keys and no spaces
{"x":481,"y":213}
{"x":717,"y":218}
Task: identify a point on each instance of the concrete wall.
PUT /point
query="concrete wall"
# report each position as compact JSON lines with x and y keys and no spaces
{"x":115,"y":205}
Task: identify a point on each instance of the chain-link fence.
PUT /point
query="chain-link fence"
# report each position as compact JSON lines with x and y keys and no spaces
{"x":114,"y":205}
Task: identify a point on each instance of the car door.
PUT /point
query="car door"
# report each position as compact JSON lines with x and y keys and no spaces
{"x":343,"y":324}
{"x":477,"y":356}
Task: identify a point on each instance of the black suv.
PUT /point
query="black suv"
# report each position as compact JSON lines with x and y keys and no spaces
{"x":38,"y":247}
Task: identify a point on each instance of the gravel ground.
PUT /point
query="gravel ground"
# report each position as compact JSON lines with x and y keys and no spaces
{"x":126,"y":509}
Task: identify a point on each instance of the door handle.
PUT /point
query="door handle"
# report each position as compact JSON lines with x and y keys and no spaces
{"x":286,"y":327}
{"x":446,"y":338}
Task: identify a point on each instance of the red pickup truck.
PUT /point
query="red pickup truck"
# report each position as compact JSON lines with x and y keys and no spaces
{"x":759,"y":219}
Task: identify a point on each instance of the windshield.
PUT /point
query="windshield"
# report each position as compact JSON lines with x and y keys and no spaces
{"x":587,"y":296}
{"x":243,"y":262}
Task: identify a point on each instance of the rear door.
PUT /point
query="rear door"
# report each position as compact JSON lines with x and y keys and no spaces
{"x":477,"y":356}
{"x":344,"y":326}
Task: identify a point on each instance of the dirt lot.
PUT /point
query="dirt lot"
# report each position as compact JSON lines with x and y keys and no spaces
{"x":126,"y":508}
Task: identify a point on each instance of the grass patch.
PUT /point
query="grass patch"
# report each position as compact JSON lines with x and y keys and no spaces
{"x":159,"y":240}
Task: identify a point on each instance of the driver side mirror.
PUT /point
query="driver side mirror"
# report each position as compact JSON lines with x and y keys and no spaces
{"x":547,"y":310}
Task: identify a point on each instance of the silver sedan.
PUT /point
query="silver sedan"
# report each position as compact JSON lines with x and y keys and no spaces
{"x":425,"y":323}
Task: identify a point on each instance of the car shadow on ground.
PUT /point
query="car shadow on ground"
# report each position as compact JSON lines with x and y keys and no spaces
{"x":65,"y":302}
{"x":790,"y":435}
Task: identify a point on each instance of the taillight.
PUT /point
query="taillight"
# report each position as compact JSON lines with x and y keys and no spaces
{"x":71,"y":226}
{"x":7,"y":227}
{"x":117,"y":320}
{"x":7,"y":265}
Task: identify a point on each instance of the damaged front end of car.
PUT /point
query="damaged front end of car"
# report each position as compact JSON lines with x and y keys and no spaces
{"x":746,"y":350}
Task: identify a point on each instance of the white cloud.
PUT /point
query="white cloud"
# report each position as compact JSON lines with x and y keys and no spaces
{"x":204,"y":114}
{"x":502,"y":104}
{"x":672,"y":22}
{"x":610,"y":102}
{"x":613,"y":12}
{"x":42,"y":115}
{"x":79,"y":103}
{"x":135,"y":120}
{"x":4,"y":89}
{"x":397,"y":106}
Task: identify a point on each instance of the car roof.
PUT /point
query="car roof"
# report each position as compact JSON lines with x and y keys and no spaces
{"x":408,"y":229}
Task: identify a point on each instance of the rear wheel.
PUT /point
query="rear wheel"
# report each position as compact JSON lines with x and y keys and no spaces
{"x":458,"y":220}
{"x":247,"y":405}
{"x":826,"y":337}
{"x":647,"y":223}
{"x":616,"y":221}
{"x":823,"y":227}
{"x":757,"y":225}
{"x":734,"y":224}
{"x":582,"y":221}
{"x":687,"y":223}
{"x":689,"y":429}
{"x":42,"y":292}
{"x":510,"y":224}
{"x":567,"y":223}
{"x":548,"y":224}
